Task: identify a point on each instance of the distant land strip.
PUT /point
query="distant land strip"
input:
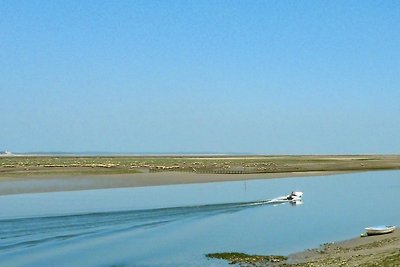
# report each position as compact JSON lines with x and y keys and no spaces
{"x":25,"y":165}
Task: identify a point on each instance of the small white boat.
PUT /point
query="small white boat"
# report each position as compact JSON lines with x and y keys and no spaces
{"x":380,"y":230}
{"x":293,"y":197}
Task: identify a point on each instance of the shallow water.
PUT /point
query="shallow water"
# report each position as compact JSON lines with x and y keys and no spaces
{"x":176,"y":225}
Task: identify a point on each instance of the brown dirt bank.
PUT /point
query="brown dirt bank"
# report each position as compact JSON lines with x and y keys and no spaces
{"x":55,"y":183}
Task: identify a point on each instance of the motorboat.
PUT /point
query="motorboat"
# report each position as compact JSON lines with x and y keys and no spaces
{"x":380,"y":230}
{"x":295,"y":196}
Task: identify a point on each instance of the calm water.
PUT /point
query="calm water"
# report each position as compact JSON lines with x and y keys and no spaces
{"x":176,"y":225}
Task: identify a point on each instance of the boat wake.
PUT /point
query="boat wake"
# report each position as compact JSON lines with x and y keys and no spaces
{"x":17,"y":233}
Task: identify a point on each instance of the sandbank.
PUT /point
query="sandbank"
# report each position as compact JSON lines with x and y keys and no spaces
{"x":56,"y":183}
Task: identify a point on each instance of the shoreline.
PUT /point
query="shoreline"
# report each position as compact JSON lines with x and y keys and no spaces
{"x":66,"y":182}
{"x":377,"y":250}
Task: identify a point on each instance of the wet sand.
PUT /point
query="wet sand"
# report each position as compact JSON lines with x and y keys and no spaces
{"x":56,"y":183}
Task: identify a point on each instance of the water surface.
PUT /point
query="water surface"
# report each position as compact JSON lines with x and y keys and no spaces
{"x":176,"y":225}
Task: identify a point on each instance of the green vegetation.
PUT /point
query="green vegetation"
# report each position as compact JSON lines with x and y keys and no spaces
{"x":39,"y":165}
{"x":244,"y":259}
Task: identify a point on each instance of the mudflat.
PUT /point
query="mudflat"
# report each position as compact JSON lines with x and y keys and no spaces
{"x":56,"y":183}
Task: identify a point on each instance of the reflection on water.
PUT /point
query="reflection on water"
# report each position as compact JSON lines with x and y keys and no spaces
{"x":176,"y":225}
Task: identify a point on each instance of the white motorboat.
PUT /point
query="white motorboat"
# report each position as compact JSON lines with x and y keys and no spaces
{"x":380,"y":230}
{"x":295,"y":196}
{"x":292,"y":197}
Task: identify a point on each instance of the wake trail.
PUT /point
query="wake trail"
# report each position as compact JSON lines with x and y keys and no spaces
{"x":17,"y":233}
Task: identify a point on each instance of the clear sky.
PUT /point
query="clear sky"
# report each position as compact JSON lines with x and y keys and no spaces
{"x":269,"y":77}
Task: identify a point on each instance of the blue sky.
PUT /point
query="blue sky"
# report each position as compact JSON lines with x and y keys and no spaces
{"x":268,"y":77}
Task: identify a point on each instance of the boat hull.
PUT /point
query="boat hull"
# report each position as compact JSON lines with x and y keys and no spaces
{"x":380,"y":230}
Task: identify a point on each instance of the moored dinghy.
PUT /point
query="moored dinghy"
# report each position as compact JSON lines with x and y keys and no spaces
{"x":380,"y":230}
